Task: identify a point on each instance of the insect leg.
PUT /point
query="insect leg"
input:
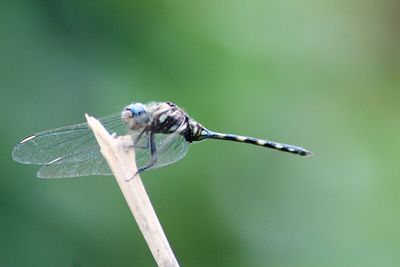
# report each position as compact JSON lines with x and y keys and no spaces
{"x":153,"y":152}
{"x":137,"y":139}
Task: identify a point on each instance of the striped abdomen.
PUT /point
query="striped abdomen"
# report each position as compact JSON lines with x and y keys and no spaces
{"x":259,"y":142}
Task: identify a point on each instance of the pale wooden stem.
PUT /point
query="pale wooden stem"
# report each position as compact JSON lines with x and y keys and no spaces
{"x":122,"y":163}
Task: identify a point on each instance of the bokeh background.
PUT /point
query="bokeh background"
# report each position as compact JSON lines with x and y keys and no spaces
{"x":321,"y":74}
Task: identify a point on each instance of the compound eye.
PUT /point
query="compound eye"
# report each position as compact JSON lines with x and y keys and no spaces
{"x":137,"y":109}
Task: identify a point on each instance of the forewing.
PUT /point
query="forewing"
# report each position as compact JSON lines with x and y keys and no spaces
{"x":68,"y":151}
{"x":170,"y":148}
{"x":73,"y":150}
{"x":96,"y":165}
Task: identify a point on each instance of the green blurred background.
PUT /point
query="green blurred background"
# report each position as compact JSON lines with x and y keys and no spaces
{"x":321,"y":74}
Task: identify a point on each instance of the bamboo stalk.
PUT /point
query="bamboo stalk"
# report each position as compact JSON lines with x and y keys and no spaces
{"x":122,"y":163}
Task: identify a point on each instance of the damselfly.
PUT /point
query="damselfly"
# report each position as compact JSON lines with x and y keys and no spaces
{"x":161,"y":133}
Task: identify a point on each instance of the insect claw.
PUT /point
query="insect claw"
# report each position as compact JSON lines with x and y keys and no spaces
{"x":132,"y":177}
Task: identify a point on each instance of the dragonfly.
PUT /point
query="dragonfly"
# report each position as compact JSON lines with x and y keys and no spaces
{"x":161,"y":133}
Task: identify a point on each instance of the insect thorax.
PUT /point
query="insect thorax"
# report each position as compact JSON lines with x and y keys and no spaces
{"x":167,"y":118}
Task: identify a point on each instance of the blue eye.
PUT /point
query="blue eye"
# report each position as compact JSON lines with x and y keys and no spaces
{"x":137,"y":109}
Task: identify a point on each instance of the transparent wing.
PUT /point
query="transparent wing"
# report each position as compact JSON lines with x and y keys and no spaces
{"x":68,"y":151}
{"x":96,"y":165}
{"x":170,"y":148}
{"x":73,"y":150}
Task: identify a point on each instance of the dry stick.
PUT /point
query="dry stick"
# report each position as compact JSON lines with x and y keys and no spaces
{"x":122,"y":163}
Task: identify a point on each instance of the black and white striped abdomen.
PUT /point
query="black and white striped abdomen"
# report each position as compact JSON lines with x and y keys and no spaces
{"x":260,"y":142}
